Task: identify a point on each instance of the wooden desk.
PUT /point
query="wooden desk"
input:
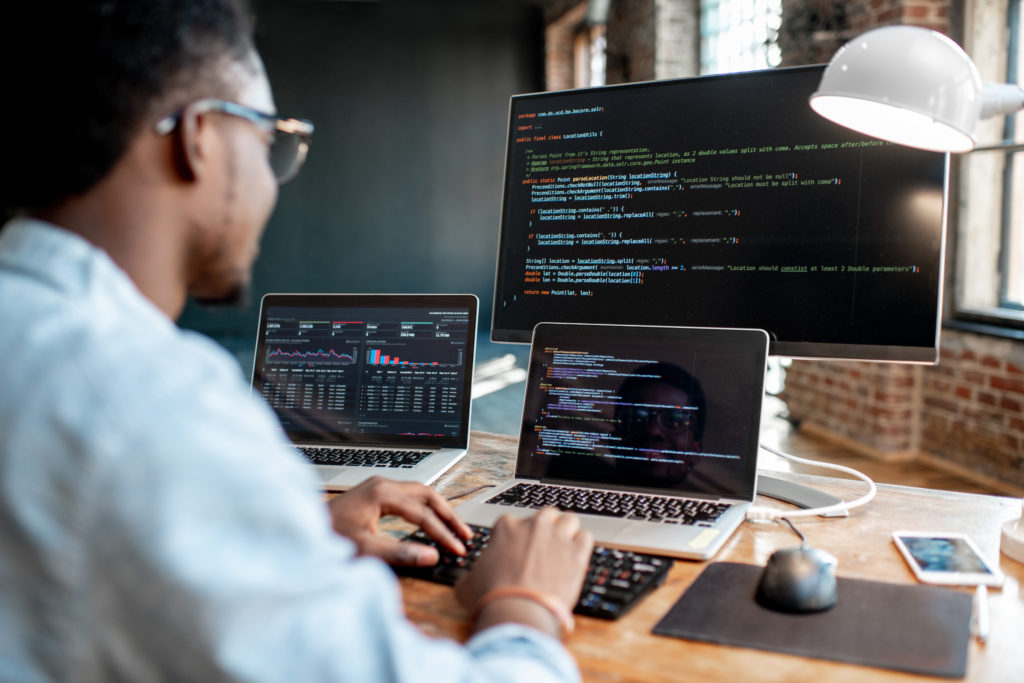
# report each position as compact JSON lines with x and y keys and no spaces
{"x":625,"y":650}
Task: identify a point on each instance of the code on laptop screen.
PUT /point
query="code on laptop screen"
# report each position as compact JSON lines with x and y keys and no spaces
{"x":659,"y":408}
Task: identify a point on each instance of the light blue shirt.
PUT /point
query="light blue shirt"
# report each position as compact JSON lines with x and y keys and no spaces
{"x":154,"y":525}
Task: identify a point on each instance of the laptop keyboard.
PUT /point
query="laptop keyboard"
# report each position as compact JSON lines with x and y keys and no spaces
{"x":319,"y":455}
{"x":616,"y":579}
{"x":638,"y":506}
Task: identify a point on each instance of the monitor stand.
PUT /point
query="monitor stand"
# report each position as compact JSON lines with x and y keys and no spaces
{"x":802,"y":496}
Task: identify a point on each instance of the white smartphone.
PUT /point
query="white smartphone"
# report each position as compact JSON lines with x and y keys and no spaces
{"x":946,"y":558}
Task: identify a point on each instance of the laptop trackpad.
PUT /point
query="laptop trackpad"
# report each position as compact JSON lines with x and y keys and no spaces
{"x":329,"y":472}
{"x":605,"y":529}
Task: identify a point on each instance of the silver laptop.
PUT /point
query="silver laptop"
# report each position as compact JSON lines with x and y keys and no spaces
{"x":650,"y":434}
{"x":369,"y":384}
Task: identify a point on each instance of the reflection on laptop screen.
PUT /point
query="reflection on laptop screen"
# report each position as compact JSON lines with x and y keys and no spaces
{"x":373,"y":373}
{"x":648,"y":410}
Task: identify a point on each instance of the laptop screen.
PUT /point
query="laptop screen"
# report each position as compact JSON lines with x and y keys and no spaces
{"x":375,"y":369}
{"x":663,"y":408}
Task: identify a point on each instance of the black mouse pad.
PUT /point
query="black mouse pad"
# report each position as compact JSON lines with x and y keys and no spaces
{"x":920,"y":629}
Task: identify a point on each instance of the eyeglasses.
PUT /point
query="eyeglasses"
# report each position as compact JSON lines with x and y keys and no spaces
{"x":289,"y":138}
{"x":667,"y":419}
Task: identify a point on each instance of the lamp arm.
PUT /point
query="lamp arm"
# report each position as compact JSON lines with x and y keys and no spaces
{"x":1000,"y":99}
{"x":1006,"y":146}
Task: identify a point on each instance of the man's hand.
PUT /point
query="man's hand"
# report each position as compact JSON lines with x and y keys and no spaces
{"x":548,"y":553}
{"x":356,"y":512}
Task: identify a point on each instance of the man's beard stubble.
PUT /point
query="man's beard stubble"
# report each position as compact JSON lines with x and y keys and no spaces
{"x":238,"y":296}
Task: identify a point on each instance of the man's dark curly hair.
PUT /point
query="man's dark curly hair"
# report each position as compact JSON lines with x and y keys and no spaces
{"x":81,"y":77}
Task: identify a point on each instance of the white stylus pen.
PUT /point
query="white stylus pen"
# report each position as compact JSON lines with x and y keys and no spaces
{"x":981,"y":613}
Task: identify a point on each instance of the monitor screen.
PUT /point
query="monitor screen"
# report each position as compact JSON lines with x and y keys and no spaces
{"x":720,"y":201}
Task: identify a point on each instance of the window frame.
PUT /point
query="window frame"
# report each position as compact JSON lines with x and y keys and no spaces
{"x":1006,"y":238}
{"x":1002,"y":316}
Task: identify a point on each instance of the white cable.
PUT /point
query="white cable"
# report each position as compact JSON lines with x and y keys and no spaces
{"x":770,"y":514}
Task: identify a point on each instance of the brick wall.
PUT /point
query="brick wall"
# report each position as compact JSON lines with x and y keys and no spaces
{"x":965,"y":414}
{"x":872,"y":405}
{"x":812,"y":30}
{"x":631,"y":40}
{"x":560,"y":32}
{"x":933,"y":14}
{"x":677,"y":54}
{"x":973,"y":406}
{"x":653,"y":39}
{"x":646,"y":40}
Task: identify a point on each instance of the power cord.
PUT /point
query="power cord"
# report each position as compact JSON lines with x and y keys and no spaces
{"x":803,"y":541}
{"x":764,"y":514}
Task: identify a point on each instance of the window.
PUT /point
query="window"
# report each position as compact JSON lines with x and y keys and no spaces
{"x":989,"y":284}
{"x":739,"y":35}
{"x":1012,"y":290}
{"x":575,"y":47}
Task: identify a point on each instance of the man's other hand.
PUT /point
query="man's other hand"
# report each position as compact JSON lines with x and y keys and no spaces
{"x":356,"y":513}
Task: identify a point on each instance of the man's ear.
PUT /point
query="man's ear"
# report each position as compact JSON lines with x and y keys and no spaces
{"x":190,"y":155}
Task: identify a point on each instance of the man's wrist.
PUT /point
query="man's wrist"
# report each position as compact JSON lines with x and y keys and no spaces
{"x":526,"y":606}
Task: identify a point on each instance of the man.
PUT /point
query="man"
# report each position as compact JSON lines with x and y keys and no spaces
{"x":153,"y":524}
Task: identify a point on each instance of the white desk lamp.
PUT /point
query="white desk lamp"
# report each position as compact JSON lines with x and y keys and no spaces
{"x":911,"y":86}
{"x":916,"y":87}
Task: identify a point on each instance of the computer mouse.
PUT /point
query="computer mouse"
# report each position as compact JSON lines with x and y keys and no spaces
{"x":798,"y":580}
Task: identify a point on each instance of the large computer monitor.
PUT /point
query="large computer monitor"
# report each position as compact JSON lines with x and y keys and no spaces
{"x":720,"y":201}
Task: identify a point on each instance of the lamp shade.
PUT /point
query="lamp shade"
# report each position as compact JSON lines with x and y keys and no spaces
{"x":904,"y":84}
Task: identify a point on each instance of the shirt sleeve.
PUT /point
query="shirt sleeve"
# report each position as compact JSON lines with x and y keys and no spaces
{"x":212,"y":558}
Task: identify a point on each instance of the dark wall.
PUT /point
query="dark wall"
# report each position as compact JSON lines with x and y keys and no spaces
{"x":402,"y":188}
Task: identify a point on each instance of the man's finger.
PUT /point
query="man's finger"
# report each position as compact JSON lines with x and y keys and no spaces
{"x":447,"y":513}
{"x":568,"y":524}
{"x":399,"y":553}
{"x":440,"y":532}
{"x":422,"y":506}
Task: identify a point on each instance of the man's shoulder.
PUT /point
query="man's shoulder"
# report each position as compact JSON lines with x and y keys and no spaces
{"x":67,"y":307}
{"x":96,"y":373}
{"x":72,"y":358}
{"x":158,"y":368}
{"x":101,"y":345}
